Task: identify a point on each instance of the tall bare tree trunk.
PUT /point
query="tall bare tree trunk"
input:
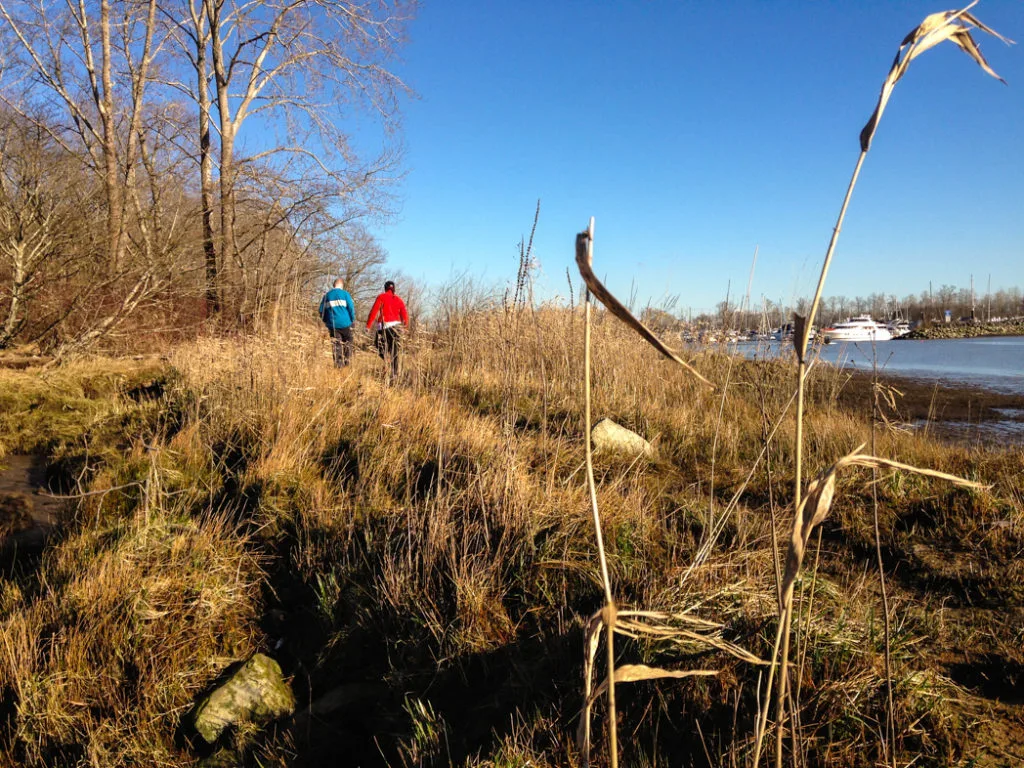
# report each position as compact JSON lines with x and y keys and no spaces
{"x":228,"y":244}
{"x":111,"y":180}
{"x":206,"y":176}
{"x":139,"y":77}
{"x":222,"y":79}
{"x":11,"y":322}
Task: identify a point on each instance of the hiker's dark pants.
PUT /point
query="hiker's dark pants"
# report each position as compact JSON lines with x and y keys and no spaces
{"x":341,"y":340}
{"x":388,"y":341}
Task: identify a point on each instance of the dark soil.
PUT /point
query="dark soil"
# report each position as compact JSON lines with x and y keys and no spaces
{"x":918,"y":402}
{"x":28,"y":510}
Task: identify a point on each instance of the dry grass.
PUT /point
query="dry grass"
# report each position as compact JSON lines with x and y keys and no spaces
{"x":41,"y":410}
{"x":421,"y":558}
{"x":131,"y":623}
{"x":432,"y":542}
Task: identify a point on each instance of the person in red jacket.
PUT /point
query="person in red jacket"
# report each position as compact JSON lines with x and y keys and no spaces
{"x":389,"y":315}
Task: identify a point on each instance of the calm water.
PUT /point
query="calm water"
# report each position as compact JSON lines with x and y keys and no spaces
{"x":995,"y":364}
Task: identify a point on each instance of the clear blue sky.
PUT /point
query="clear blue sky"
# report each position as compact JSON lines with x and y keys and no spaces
{"x":693,"y":132}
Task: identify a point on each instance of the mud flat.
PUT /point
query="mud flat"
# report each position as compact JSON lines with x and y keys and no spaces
{"x":953,"y":411}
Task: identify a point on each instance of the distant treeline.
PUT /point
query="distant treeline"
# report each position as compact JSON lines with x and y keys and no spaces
{"x":926,"y":306}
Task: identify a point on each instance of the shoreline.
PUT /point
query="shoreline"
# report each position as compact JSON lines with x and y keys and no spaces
{"x":954,"y":408}
{"x":921,"y":396}
{"x":941,"y":331}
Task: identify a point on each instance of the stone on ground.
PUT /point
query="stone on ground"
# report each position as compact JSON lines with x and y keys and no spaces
{"x":610,"y":437}
{"x":255,"y":693}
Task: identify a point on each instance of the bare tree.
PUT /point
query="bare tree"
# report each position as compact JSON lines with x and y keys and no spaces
{"x":300,"y":64}
{"x":92,"y":76}
{"x":87,"y":74}
{"x":946,"y":295}
{"x":196,"y":36}
{"x":34,"y":215}
{"x":72,"y":53}
{"x":356,"y":256}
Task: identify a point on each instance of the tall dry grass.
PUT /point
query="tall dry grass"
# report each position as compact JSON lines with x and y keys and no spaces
{"x":434,"y":540}
{"x":956,"y":27}
{"x":421,"y":555}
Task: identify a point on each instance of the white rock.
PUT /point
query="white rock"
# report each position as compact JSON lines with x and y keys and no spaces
{"x":610,"y":437}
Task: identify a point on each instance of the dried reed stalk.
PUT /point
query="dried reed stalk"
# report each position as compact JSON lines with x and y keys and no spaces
{"x":662,"y":625}
{"x":584,"y":260}
{"x":635,"y":624}
{"x":820,"y":493}
{"x":631,"y":673}
{"x":956,"y":27}
{"x":689,"y":632}
{"x":889,"y":745}
{"x":608,"y":613}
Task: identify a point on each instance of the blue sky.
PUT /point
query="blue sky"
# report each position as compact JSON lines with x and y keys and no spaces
{"x":695,"y":132}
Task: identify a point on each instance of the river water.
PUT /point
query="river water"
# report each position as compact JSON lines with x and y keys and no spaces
{"x":992,"y":363}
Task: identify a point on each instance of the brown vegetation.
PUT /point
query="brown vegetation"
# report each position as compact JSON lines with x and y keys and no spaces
{"x":426,"y":549}
{"x":421,"y":556}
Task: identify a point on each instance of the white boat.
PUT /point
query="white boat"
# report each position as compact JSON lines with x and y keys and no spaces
{"x":898,"y":328}
{"x":860,"y":328}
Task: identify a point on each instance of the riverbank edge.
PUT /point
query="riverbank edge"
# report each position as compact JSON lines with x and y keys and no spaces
{"x":963,"y":331}
{"x":917,"y":399}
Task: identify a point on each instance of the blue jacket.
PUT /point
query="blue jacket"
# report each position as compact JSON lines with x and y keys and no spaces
{"x":337,"y":309}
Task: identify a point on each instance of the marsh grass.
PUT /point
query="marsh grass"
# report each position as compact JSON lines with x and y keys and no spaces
{"x":429,"y":546}
{"x":41,"y":410}
{"x":146,"y":613}
{"x":420,"y":541}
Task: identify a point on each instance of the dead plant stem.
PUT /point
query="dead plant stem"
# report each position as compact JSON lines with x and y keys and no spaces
{"x":801,"y":343}
{"x":609,"y":612}
{"x":888,"y":745}
{"x":714,"y":448}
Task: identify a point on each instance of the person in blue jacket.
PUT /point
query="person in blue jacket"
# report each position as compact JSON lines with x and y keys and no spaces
{"x":338,"y":312}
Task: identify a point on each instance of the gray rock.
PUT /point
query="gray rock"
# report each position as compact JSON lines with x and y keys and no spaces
{"x":610,"y":437}
{"x":256,"y":693}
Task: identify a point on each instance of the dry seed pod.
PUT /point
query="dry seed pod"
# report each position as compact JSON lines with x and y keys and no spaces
{"x":618,"y":309}
{"x":632,"y":673}
{"x":954,"y":26}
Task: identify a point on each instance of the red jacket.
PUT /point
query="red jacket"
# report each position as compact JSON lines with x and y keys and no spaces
{"x":389,"y":310}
